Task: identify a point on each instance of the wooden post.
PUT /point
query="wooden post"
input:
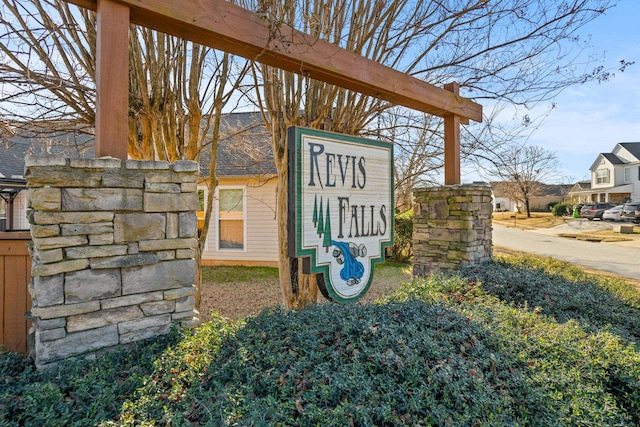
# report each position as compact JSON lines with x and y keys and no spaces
{"x":112,"y":80}
{"x":452,"y":142}
{"x":8,"y":225}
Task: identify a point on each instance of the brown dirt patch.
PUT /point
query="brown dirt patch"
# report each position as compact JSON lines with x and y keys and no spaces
{"x":537,"y":220}
{"x":238,"y":299}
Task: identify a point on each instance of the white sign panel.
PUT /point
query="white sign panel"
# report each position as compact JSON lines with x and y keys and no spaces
{"x":340,"y":207}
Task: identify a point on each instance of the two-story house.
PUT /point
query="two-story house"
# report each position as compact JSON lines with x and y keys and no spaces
{"x":615,"y":177}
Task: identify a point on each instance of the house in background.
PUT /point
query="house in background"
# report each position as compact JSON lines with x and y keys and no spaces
{"x":580,"y":193}
{"x":243,"y":229}
{"x":13,"y":202}
{"x":13,"y":185}
{"x":615,"y":177}
{"x":544,"y":195}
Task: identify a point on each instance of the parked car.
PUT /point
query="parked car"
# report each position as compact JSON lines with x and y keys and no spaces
{"x":613,"y":214}
{"x":631,"y":212}
{"x":594,"y":210}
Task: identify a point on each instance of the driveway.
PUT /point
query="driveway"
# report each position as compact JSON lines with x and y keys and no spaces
{"x":617,"y":258}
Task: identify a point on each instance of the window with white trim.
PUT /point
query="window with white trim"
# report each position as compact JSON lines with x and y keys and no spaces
{"x":231,"y":218}
{"x":602,"y":176}
{"x":627,"y":174}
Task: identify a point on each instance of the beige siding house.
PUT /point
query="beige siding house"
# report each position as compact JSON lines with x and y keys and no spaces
{"x":243,"y":228}
{"x":615,"y":177}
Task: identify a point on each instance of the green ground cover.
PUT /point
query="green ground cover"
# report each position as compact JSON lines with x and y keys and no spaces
{"x":519,"y":341}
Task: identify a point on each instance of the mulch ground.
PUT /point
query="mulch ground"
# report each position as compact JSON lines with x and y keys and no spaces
{"x":235,"y":300}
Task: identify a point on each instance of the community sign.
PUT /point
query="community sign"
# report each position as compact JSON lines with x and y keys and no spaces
{"x":340,"y":208}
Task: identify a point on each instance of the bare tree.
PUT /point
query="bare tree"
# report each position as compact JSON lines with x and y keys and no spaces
{"x":519,"y":52}
{"x":177,"y":89}
{"x":418,"y":156}
{"x":288,"y":99}
{"x":522,"y":170}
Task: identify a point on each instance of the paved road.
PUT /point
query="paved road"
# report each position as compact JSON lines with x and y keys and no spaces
{"x":621,"y":260}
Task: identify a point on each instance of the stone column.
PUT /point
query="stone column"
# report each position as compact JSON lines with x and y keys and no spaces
{"x":452,"y":227}
{"x":114,"y":245}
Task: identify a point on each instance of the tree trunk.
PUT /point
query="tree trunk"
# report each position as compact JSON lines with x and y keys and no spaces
{"x":298,"y":289}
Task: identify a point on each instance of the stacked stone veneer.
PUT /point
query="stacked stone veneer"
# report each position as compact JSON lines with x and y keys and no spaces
{"x":452,"y":227}
{"x":114,"y":245}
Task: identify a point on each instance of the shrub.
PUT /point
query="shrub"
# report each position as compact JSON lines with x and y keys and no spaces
{"x":517,"y":341}
{"x":561,"y":209}
{"x":563,"y":292}
{"x":76,"y":392}
{"x":402,"y":249}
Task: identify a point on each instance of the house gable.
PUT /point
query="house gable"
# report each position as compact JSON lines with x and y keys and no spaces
{"x":628,"y":151}
{"x":615,"y":176}
{"x":580,"y":186}
{"x":606,"y":160}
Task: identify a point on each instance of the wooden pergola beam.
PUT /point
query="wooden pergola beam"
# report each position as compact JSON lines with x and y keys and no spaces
{"x":225,"y":26}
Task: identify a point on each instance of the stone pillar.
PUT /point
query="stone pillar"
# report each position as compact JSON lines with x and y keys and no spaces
{"x":114,"y":246}
{"x":452,"y":227}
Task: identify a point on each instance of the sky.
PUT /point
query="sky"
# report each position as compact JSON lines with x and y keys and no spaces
{"x":592,"y":118}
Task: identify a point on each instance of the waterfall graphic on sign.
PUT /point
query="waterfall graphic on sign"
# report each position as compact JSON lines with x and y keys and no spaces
{"x":345,"y":253}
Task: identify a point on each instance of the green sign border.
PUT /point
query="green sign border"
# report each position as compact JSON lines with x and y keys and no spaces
{"x":294,"y":146}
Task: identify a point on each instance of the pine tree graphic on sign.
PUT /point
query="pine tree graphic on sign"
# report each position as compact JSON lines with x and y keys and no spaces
{"x":326,"y":241}
{"x":315,"y":211}
{"x":318,"y":213}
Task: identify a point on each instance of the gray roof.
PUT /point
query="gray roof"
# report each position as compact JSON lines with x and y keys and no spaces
{"x":12,"y":167}
{"x":615,"y":160}
{"x":12,"y":158}
{"x":14,"y":149}
{"x":244,"y":149}
{"x":633,"y":148}
{"x":585,"y":185}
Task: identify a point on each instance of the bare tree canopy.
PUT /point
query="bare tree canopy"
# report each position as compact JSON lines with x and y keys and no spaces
{"x":523,"y":170}
{"x":177,"y":89}
{"x":508,"y":52}
{"x":516,"y":52}
{"x":47,"y":76}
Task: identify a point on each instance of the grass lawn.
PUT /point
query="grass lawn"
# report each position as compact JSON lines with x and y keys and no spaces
{"x":521,"y":340}
{"x":537,"y":220}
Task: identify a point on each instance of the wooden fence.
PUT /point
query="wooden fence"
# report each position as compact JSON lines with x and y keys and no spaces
{"x":15,"y":301}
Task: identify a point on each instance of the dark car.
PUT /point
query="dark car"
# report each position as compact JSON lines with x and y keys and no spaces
{"x":631,"y":212}
{"x":594,"y":210}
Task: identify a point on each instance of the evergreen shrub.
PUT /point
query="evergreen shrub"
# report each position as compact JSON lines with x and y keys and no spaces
{"x":402,"y":250}
{"x":561,"y":209}
{"x":517,"y":341}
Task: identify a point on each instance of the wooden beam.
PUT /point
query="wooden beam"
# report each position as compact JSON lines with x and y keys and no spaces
{"x":112,"y":80}
{"x":452,"y":143}
{"x":222,"y":25}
